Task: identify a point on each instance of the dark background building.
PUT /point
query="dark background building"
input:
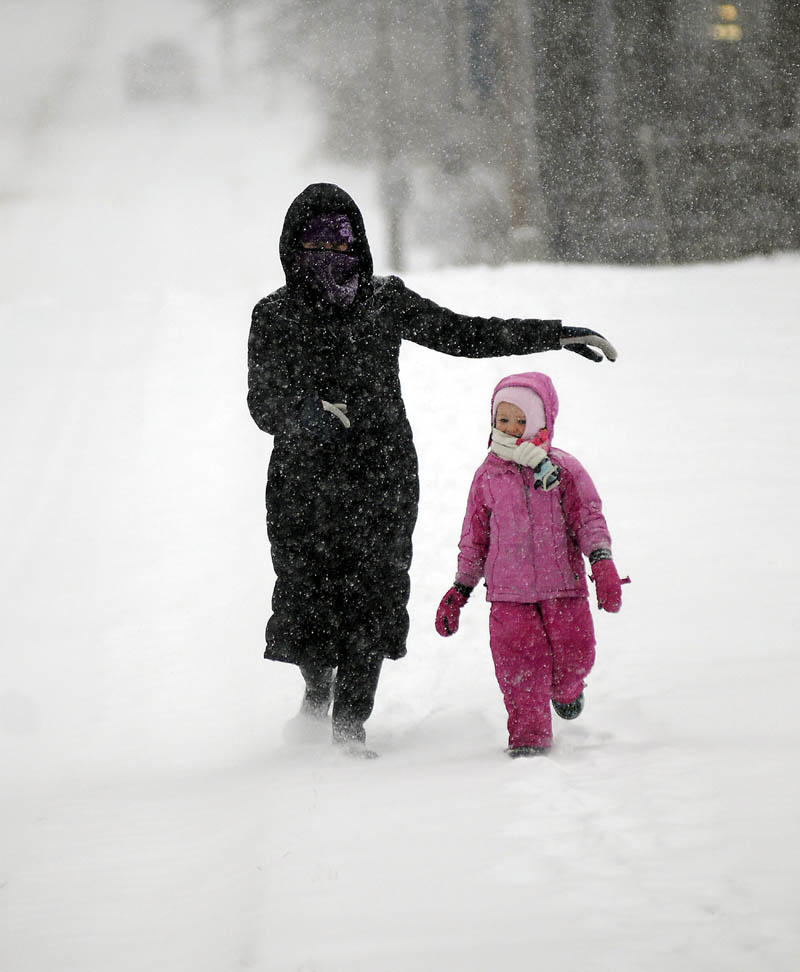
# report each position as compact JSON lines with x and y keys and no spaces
{"x":634,"y":131}
{"x":683,"y":140}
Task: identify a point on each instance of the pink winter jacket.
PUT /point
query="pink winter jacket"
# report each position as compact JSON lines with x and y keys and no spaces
{"x":526,"y":543}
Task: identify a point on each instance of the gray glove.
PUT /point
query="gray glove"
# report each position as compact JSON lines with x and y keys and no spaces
{"x":322,"y":423}
{"x":339,"y":411}
{"x":581,"y":340}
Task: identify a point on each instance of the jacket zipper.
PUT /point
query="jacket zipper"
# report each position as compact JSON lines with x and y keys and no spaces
{"x":526,"y":490}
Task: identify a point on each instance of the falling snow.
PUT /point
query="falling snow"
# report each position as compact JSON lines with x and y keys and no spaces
{"x":153,"y":815}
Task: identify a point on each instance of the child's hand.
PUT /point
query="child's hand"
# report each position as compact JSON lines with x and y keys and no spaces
{"x":449,"y":610}
{"x":607,"y":585}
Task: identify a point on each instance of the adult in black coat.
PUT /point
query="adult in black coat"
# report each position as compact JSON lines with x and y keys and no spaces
{"x":342,"y":487}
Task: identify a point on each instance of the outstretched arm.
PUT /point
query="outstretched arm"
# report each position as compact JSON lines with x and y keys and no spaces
{"x":425,"y":322}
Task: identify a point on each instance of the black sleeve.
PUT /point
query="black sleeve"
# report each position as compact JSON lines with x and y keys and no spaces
{"x":274,"y":402}
{"x":426,"y":323}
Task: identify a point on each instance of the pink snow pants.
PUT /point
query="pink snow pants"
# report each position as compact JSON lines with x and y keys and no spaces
{"x":541,"y":652}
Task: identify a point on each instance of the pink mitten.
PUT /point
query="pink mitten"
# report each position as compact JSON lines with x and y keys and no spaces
{"x":608,"y":586}
{"x":449,"y":610}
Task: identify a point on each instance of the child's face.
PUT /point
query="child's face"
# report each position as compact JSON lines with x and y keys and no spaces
{"x":510,"y":419}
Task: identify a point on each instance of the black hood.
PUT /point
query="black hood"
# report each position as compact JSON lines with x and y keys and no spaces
{"x":315,"y":200}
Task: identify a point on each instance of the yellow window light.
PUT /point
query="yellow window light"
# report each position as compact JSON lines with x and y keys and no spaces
{"x":726,"y":32}
{"x":727,"y":12}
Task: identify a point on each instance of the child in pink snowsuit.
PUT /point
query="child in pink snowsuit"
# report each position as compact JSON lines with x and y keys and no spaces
{"x":533,"y":513}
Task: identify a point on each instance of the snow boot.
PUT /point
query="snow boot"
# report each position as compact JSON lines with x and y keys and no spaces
{"x":314,"y":707}
{"x":311,"y":724}
{"x":515,"y":752}
{"x":355,"y":750}
{"x":569,"y":710}
{"x":350,"y":738}
{"x":318,"y":695}
{"x":353,"y":699}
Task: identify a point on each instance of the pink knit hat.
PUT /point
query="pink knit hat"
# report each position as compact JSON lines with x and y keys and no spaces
{"x":527,"y":401}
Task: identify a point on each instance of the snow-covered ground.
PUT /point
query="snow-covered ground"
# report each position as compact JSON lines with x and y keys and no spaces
{"x":152,"y":815}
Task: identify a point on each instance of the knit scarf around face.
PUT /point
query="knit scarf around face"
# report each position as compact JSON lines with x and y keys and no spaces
{"x":332,"y":275}
{"x":505,"y":446}
{"x":546,"y":475}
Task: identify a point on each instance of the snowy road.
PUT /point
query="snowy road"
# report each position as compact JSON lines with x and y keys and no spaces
{"x":152,"y":815}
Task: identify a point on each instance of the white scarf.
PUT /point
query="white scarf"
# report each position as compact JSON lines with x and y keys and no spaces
{"x":525,"y":454}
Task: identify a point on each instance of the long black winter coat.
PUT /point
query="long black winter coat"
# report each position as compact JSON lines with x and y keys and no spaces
{"x":340,"y":513}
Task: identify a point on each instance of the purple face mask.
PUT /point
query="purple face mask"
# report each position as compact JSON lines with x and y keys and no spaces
{"x":330,"y":271}
{"x":331,"y":274}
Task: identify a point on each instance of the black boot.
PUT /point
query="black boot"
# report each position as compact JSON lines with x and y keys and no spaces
{"x":319,"y":690}
{"x":312,"y":719}
{"x":569,"y":710}
{"x":352,"y":740}
{"x":353,"y":700}
{"x":515,"y":752}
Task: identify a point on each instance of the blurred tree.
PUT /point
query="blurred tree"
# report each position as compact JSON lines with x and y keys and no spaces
{"x":614,"y":130}
{"x":225,"y":14}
